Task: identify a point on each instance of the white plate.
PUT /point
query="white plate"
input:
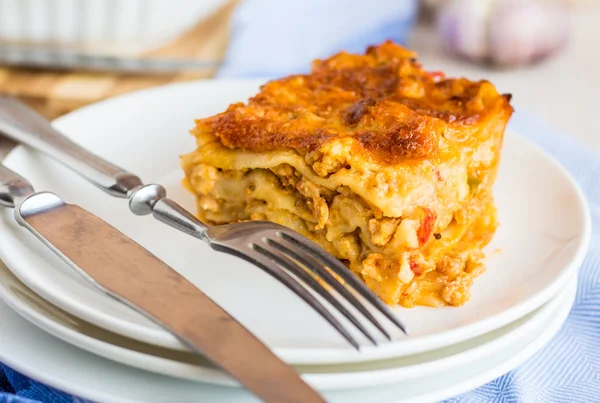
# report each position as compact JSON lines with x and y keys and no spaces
{"x":58,"y":364}
{"x":322,"y":377}
{"x":543,"y":236}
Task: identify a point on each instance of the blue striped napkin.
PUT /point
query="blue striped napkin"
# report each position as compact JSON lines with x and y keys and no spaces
{"x":273,"y":38}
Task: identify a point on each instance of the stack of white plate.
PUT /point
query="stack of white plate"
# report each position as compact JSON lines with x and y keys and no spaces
{"x":110,"y":353}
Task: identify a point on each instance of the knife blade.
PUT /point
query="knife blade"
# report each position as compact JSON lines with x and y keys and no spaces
{"x":128,"y":272}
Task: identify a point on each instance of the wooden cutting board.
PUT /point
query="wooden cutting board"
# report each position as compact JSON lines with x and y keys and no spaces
{"x":54,"y":93}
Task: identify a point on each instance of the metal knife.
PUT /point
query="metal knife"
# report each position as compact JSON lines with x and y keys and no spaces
{"x":123,"y":269}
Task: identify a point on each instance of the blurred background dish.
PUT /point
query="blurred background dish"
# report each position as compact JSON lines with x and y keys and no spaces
{"x":112,"y":26}
{"x":53,"y":91}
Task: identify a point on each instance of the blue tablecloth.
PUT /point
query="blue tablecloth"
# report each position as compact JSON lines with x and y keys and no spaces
{"x":273,"y":38}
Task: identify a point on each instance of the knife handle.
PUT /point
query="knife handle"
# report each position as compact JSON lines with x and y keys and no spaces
{"x":13,"y":187}
{"x":26,"y":126}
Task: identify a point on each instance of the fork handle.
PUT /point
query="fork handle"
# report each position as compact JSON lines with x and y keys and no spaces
{"x":22,"y":124}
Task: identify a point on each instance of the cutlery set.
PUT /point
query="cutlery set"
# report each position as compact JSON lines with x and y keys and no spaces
{"x":123,"y":269}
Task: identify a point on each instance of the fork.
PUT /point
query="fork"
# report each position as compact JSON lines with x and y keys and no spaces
{"x":289,"y":257}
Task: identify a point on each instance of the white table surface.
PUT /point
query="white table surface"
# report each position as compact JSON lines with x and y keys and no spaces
{"x":564,"y":90}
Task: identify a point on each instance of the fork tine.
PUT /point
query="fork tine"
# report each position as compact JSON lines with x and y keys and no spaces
{"x":279,"y":274}
{"x":309,"y":280}
{"x":341,"y":270}
{"x":317,"y":267}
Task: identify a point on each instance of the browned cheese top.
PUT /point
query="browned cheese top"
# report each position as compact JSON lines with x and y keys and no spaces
{"x":384,"y":100}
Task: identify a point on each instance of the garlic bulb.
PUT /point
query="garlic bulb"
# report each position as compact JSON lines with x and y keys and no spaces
{"x":503,"y":32}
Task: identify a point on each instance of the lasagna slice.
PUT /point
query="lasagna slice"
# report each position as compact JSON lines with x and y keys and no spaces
{"x":387,"y":166}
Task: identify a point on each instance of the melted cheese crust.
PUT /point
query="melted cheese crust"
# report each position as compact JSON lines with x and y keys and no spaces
{"x":387,"y":166}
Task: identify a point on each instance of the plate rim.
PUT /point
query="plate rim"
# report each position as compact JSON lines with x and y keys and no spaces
{"x":300,"y":355}
{"x":455,"y":389}
{"x":321,"y":381}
